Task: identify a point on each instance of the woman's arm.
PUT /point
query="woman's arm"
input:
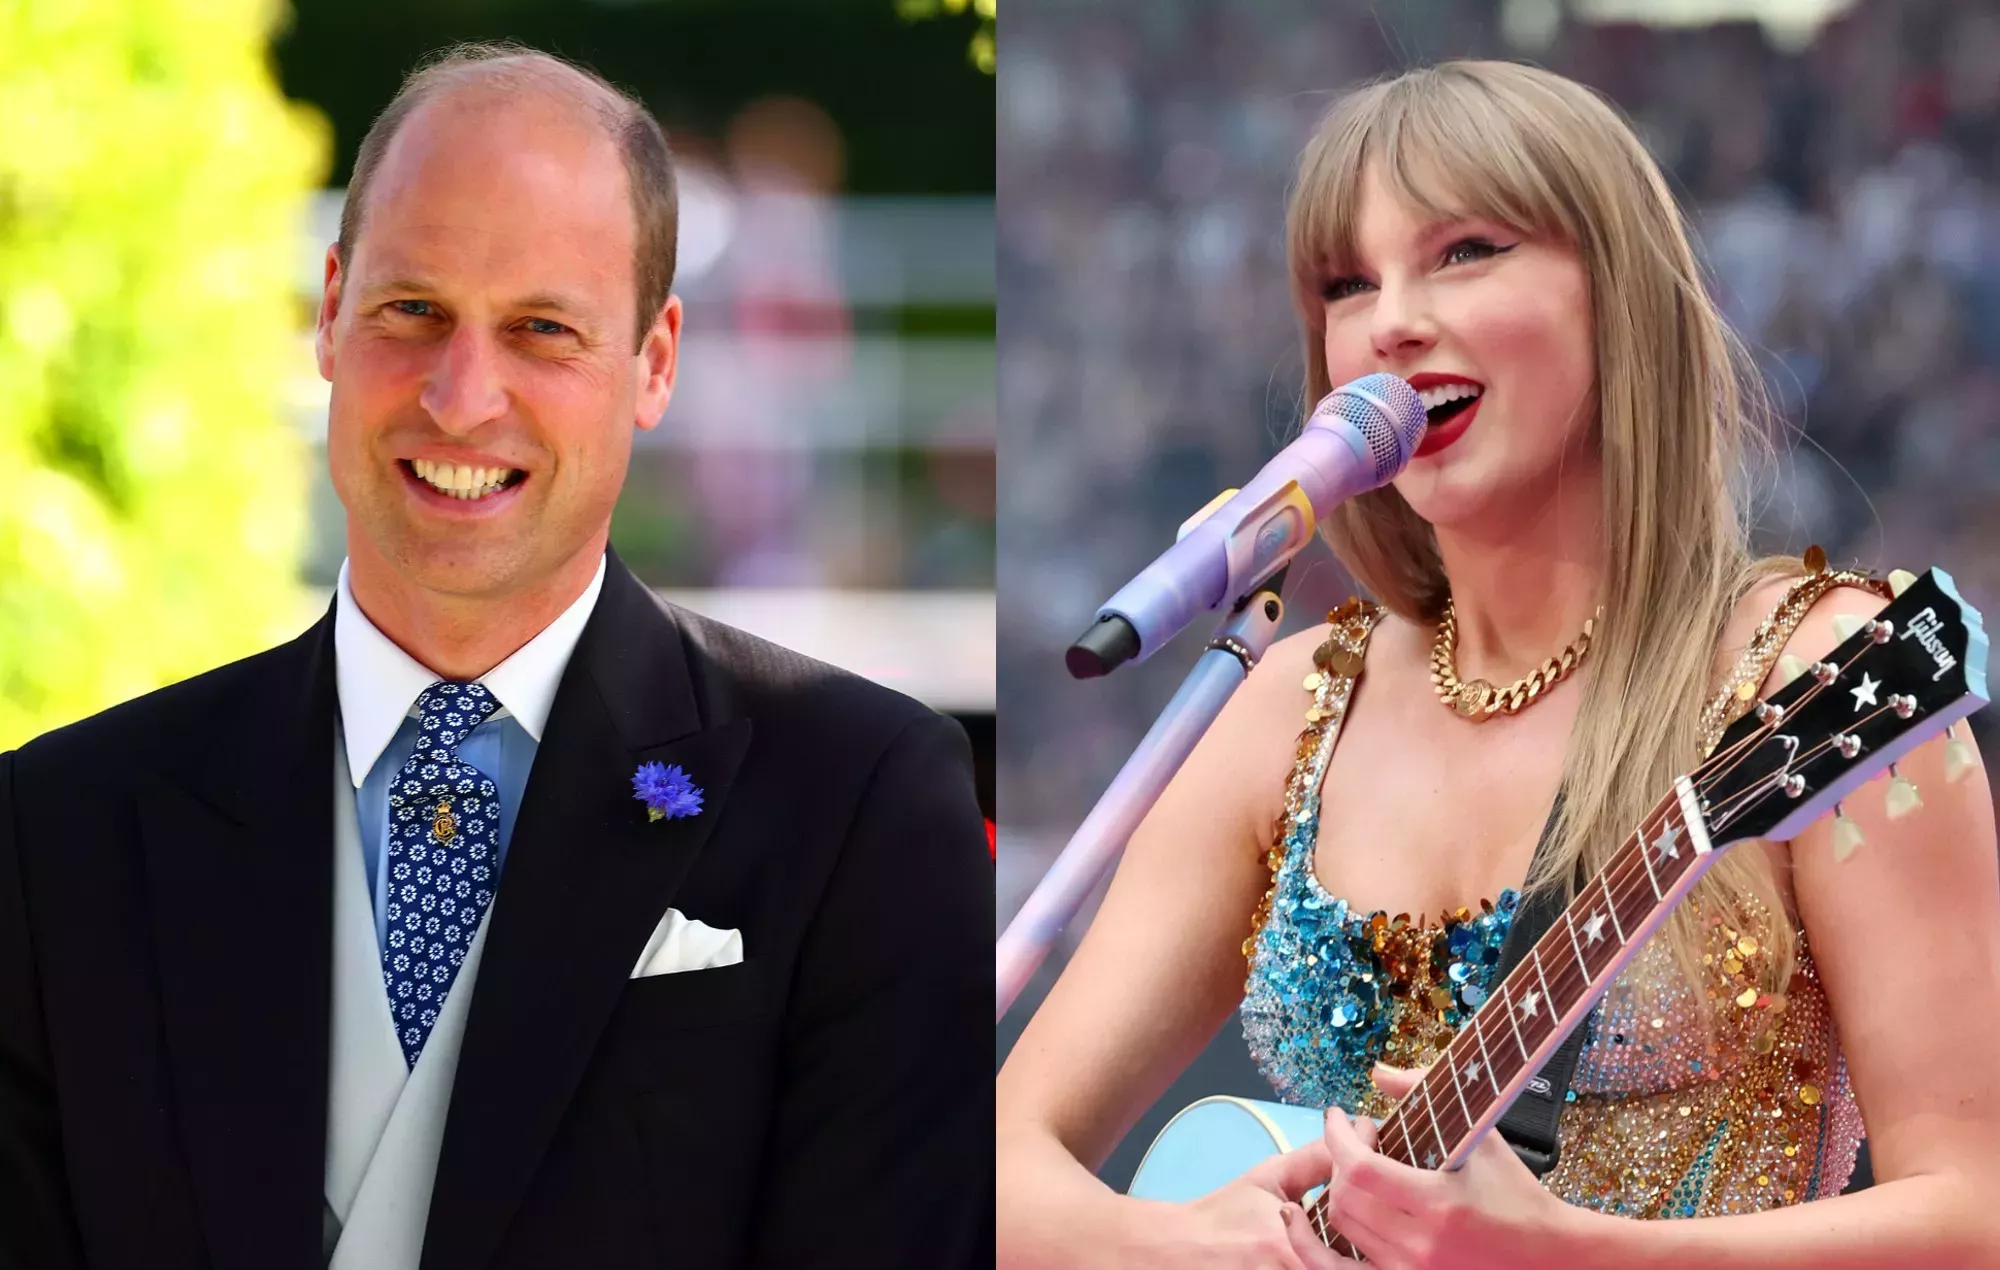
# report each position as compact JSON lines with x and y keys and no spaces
{"x":1906,"y":934}
{"x":1159,"y":971}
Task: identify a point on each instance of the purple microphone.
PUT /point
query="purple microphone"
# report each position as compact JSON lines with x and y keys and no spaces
{"x":1359,"y":437}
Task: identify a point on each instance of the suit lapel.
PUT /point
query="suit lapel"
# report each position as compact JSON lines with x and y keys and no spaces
{"x":586,"y":880}
{"x":239,"y":867}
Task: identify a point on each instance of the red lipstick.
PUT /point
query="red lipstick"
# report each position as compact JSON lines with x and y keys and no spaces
{"x":1439,"y":435}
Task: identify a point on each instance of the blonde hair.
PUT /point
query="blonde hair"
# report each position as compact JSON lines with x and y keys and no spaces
{"x":1676,"y":398}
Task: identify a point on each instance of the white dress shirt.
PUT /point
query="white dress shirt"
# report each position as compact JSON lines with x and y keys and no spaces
{"x":378,"y":685}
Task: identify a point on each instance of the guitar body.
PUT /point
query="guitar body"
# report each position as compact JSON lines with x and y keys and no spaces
{"x":1217,"y":1140}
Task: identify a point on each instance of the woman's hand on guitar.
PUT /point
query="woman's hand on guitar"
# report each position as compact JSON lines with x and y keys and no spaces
{"x":1255,"y":1222}
{"x":1493,"y":1213}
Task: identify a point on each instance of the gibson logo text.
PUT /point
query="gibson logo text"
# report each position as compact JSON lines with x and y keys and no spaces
{"x":1925,"y":626}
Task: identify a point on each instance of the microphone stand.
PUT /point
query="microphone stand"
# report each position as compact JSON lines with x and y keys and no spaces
{"x":1238,"y":645}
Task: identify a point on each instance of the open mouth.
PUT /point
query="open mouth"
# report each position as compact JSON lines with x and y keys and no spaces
{"x":1446,"y":401}
{"x":1449,"y":408}
{"x":469,"y":484}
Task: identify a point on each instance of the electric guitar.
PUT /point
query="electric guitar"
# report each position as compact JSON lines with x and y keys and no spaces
{"x":1896,"y":681}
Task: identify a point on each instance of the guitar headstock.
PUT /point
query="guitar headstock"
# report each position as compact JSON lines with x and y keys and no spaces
{"x":1905,"y":676}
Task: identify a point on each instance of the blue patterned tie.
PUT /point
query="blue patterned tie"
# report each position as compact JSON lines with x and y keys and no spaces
{"x":444,"y":836}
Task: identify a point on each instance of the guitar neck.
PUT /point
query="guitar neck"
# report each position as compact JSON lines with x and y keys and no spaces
{"x":1501,"y":1047}
{"x":1780,"y":766}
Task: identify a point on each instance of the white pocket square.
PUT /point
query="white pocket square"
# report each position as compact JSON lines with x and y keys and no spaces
{"x":680,"y":943}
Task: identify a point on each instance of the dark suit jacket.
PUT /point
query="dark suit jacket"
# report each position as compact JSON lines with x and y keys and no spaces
{"x":166,"y":941}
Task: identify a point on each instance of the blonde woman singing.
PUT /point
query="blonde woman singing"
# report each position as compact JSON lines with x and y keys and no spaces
{"x":1498,"y":236}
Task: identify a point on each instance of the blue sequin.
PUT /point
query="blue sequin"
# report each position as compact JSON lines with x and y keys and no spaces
{"x":1326,"y":991}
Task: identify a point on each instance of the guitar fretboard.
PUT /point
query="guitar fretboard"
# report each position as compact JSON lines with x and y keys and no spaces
{"x":1525,"y":1019}
{"x":1813,"y":741}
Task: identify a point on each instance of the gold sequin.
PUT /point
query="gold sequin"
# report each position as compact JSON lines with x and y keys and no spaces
{"x":1685,"y":1126}
{"x":1691,"y":1122}
{"x":1313,"y":681}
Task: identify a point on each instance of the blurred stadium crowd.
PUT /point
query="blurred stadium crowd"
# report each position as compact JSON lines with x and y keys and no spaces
{"x":1845,"y":191}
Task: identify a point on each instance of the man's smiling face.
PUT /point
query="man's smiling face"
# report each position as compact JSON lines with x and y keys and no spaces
{"x":480,"y":345}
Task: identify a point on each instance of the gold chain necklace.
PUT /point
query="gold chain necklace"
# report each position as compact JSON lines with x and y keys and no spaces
{"x":1478,"y":700}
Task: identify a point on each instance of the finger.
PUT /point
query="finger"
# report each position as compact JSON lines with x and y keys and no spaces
{"x":1356,"y":1164}
{"x":1308,"y":1242}
{"x":1297,"y":1171}
{"x":1369,"y":1132}
{"x":1343,"y":1141}
{"x":1396,"y":1082}
{"x":1376,"y":1230}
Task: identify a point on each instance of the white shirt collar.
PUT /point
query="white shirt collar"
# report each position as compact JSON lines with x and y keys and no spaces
{"x":379,"y":683}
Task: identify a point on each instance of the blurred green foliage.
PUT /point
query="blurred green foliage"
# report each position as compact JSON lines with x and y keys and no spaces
{"x":982,"y":50}
{"x":152,"y":176}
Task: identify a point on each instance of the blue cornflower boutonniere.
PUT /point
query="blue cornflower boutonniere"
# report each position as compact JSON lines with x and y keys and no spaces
{"x":666,"y":791}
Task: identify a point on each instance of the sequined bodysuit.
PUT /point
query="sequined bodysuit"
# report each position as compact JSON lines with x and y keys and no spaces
{"x":1664,"y":1119}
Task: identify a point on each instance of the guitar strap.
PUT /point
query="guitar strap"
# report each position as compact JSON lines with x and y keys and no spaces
{"x":1529,"y":1125}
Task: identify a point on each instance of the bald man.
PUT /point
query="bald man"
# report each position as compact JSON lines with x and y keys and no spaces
{"x":509,"y":917}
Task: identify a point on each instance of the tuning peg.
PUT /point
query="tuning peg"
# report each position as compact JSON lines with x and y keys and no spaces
{"x":1902,"y":798}
{"x":1958,"y":759}
{"x":1790,"y":667}
{"x":1846,"y":835}
{"x":1900,"y":580}
{"x":1845,"y":624}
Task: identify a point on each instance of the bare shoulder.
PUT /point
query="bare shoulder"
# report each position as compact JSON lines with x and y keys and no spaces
{"x":1814,"y":635}
{"x":1256,"y":737}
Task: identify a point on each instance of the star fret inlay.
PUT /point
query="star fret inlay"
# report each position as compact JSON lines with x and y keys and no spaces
{"x":1665,"y":843}
{"x":1529,"y":1002}
{"x":1593,"y":930}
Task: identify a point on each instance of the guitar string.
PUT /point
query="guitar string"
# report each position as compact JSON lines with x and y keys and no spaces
{"x":1812,"y":690}
{"x":1727,"y":812}
{"x":1573,"y":982}
{"x":1626,"y":871}
{"x":1625,"y":874}
{"x":1393,"y":1135}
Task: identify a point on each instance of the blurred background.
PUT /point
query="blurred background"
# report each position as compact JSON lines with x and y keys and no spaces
{"x":171,"y":174}
{"x":1841,"y":165}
